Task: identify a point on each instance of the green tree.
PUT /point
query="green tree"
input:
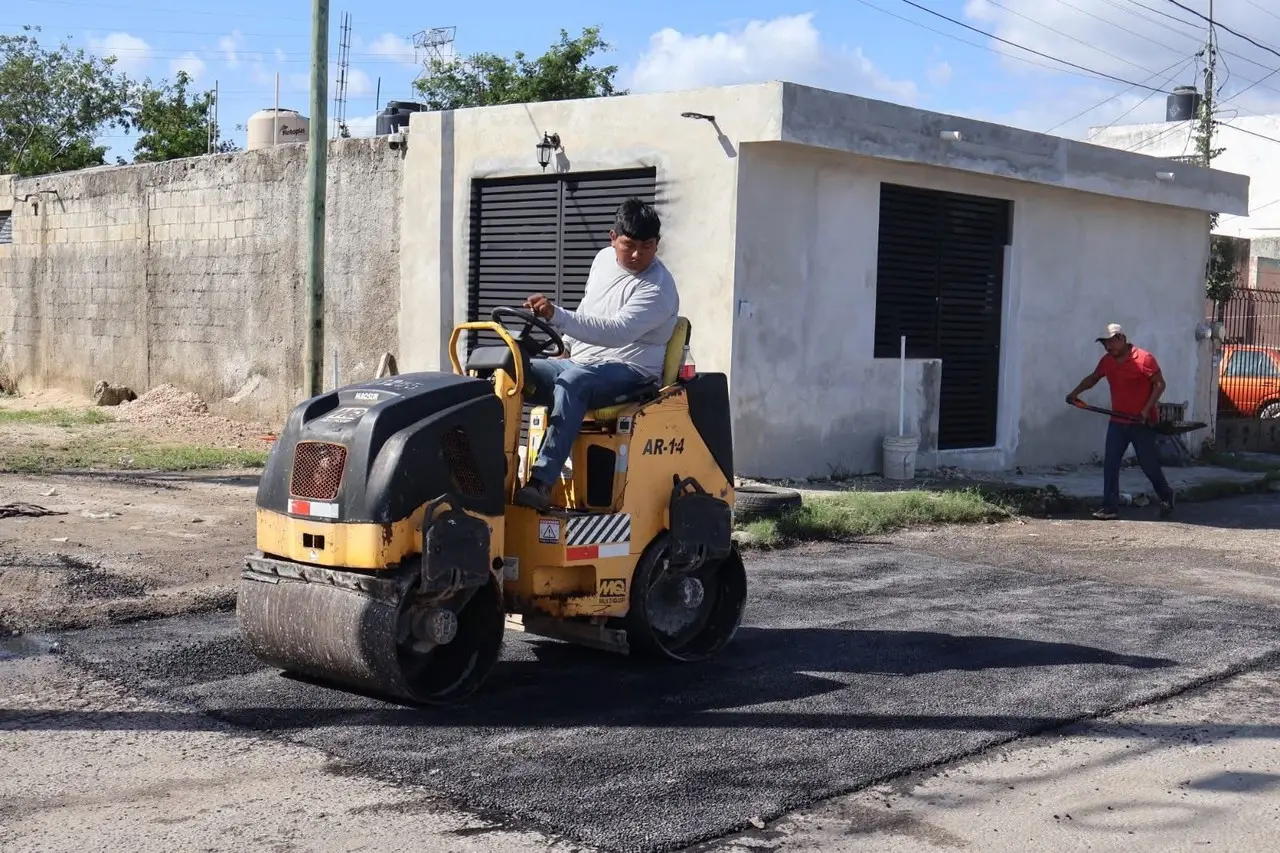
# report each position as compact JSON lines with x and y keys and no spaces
{"x":54,"y":105}
{"x":486,"y":79}
{"x":172,"y":124}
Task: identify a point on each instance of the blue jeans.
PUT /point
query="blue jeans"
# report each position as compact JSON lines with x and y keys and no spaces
{"x":571,"y":390}
{"x":1143,"y":438}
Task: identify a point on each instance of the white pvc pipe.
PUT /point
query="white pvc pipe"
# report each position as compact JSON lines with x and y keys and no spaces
{"x":902,"y":385}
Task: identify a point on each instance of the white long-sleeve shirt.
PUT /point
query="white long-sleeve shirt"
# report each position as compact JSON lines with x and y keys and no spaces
{"x":624,"y":316}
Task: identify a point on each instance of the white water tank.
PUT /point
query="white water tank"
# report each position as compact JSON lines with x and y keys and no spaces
{"x":289,"y":126}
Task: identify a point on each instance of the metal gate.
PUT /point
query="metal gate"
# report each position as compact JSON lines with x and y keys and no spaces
{"x":539,"y":234}
{"x":939,"y":281}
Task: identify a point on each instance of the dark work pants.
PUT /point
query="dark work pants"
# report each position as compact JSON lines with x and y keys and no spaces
{"x":570,"y":390}
{"x":1143,"y":439}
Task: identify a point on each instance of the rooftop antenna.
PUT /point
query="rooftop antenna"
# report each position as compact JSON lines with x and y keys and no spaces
{"x":431,"y":44}
{"x":344,"y":65}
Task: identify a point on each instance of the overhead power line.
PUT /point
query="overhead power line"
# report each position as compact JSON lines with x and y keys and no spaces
{"x":1250,"y":132}
{"x":1030,"y":50}
{"x":1176,"y":68}
{"x":1072,"y":38}
{"x":1218,"y":23}
{"x":987,"y":48}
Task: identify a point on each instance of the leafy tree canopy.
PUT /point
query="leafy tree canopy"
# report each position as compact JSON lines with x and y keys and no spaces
{"x":171,"y":126}
{"x":54,"y":104}
{"x":486,"y":79}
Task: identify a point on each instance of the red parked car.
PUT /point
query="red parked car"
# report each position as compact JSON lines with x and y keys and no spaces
{"x":1249,"y":381}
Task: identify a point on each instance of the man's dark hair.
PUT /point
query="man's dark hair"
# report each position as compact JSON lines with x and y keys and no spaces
{"x":637,"y":219}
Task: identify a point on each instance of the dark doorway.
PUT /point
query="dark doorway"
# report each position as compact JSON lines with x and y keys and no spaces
{"x":939,"y":281}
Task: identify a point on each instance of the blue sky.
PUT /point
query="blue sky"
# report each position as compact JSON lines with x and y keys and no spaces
{"x":848,"y":45}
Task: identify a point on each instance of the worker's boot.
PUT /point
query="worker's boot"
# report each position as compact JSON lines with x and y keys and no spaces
{"x":536,"y":495}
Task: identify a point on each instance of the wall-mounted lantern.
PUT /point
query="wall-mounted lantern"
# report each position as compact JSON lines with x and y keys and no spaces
{"x":548,"y":144}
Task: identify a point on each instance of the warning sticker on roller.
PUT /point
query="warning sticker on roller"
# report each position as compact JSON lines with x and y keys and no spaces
{"x":549,"y":530}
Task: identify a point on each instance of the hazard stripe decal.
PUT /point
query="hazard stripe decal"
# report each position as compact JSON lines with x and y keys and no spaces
{"x":598,"y":530}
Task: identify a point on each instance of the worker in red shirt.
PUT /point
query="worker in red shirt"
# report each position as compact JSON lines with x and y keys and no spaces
{"x":1136,"y":385}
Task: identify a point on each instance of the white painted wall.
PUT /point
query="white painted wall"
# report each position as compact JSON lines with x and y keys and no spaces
{"x":792,"y":229}
{"x":808,"y":396}
{"x":697,"y":178}
{"x":1245,"y":152}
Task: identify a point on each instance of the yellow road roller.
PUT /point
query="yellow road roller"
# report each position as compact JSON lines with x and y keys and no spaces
{"x":390,"y":559}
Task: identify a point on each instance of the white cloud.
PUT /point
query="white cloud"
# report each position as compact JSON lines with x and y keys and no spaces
{"x":231,"y":47}
{"x":1130,"y":42}
{"x":358,"y":83}
{"x":190,"y":63}
{"x":939,"y":73}
{"x":358,"y":126}
{"x":394,"y":47}
{"x":133,"y":55}
{"x":788,"y":48}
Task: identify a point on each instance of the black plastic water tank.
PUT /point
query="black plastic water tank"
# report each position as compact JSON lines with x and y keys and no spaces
{"x":395,"y":116}
{"x":1183,"y":104}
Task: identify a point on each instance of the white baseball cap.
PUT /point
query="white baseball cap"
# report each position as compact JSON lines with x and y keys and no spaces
{"x":1113,"y":329}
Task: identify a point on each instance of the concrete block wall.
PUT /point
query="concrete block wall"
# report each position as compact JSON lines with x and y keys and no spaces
{"x":193,"y":272}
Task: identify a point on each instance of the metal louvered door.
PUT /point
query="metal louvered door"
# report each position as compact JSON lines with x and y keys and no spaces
{"x":974,"y":234}
{"x":588,"y":205}
{"x":539,"y":235}
{"x":514,"y":248}
{"x":940,"y":282}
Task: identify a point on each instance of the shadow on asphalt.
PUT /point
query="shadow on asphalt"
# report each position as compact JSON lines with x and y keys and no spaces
{"x":1241,"y":512}
{"x":567,"y":686}
{"x":852,"y":667}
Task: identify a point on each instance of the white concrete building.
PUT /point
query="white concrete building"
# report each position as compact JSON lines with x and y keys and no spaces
{"x":1250,"y":146}
{"x":807,"y":231}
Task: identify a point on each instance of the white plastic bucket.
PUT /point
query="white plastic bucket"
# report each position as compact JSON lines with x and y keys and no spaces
{"x":900,"y":456}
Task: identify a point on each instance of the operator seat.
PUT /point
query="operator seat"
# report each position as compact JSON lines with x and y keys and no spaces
{"x":671,"y":364}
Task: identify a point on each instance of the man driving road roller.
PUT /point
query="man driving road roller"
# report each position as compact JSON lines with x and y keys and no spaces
{"x":616,"y":340}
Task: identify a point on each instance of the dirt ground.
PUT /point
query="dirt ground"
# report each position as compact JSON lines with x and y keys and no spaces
{"x":127,"y":547}
{"x":124,"y":544}
{"x":164,"y":415}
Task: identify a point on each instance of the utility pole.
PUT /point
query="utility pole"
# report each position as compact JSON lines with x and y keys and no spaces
{"x":1206,"y":126}
{"x":317,"y":163}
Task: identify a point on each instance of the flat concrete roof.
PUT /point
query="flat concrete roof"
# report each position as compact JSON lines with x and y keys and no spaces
{"x":871,"y":128}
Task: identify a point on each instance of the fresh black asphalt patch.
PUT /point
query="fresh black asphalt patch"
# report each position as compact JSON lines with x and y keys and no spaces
{"x":854,"y":666}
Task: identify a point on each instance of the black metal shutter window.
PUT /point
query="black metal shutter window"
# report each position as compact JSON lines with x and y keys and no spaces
{"x":940,"y":273}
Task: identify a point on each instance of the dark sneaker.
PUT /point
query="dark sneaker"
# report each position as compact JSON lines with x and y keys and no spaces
{"x":536,"y":495}
{"x":1166,"y":506}
{"x":1106,"y":515}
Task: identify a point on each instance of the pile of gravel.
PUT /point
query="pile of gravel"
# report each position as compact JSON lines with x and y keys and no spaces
{"x":162,"y":404}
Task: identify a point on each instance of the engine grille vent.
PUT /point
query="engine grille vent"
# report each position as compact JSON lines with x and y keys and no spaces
{"x":317,"y":470}
{"x":458,"y":455}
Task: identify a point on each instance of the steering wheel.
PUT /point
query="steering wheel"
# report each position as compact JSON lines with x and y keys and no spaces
{"x":527,"y":341}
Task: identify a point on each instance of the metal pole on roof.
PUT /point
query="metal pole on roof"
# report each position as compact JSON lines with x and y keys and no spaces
{"x":1211,"y":49}
{"x":317,"y":162}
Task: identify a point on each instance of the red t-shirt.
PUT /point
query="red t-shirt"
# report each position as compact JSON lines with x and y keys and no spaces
{"x":1130,"y":380}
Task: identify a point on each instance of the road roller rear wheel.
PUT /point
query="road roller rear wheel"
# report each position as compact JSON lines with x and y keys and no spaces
{"x":684,"y":616}
{"x":369,"y":634}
